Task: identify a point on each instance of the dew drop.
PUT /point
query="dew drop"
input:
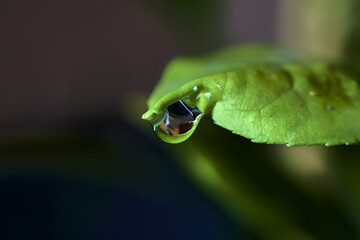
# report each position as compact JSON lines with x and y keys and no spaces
{"x":208,"y":95}
{"x":178,"y":118}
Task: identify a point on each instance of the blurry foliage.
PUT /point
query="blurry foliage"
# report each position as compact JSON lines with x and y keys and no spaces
{"x":257,"y":186}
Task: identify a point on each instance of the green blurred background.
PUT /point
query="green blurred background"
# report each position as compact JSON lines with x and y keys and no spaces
{"x":77,"y":162}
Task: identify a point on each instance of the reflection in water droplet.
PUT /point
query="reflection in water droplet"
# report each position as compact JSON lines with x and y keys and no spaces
{"x":178,"y":118}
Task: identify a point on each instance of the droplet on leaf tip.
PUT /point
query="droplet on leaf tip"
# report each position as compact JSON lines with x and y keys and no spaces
{"x":177,"y":119}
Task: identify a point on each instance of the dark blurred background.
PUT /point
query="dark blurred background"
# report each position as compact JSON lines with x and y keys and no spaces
{"x":74,"y":161}
{"x":64,"y":60}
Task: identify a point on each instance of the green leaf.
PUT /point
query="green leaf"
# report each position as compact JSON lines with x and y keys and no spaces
{"x":265,"y":94}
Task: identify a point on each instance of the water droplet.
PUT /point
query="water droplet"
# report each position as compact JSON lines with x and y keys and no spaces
{"x":178,"y":118}
{"x":208,"y":95}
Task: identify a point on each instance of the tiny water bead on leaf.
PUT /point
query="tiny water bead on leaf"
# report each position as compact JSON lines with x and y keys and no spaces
{"x":259,"y":92}
{"x":178,"y":118}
